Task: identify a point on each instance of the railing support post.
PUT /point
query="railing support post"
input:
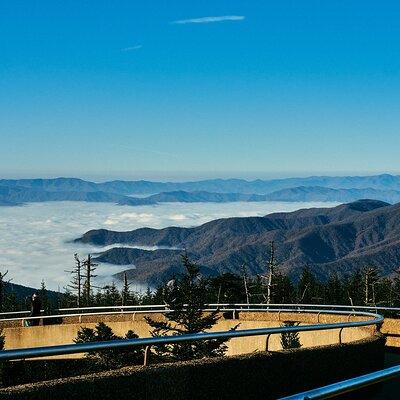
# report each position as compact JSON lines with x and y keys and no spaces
{"x":348,"y":318}
{"x":267,"y":342}
{"x":318,"y":316}
{"x":146,"y":359}
{"x":340,"y":335}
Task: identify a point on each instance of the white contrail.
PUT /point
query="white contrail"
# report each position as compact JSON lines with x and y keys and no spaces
{"x":207,"y":20}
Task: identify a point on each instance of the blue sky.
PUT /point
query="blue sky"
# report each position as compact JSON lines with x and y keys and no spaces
{"x":173,"y":89}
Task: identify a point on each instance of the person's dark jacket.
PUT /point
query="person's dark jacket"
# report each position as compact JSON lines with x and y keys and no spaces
{"x":36,"y":306}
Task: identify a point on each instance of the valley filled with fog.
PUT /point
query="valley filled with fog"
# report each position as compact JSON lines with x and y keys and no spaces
{"x":35,"y":239}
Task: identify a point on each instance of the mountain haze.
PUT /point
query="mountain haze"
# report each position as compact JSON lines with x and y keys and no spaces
{"x":258,"y":186}
{"x":330,"y":189}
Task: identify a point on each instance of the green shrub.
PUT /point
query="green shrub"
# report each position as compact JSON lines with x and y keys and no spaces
{"x":290,"y":340}
{"x":109,"y":358}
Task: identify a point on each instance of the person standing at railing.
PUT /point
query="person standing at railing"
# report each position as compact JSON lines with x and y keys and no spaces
{"x":36,"y":306}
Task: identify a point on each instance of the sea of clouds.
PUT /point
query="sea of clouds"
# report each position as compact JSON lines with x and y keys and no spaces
{"x":35,"y":239}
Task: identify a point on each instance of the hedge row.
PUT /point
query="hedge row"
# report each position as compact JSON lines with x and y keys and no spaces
{"x":254,"y":376}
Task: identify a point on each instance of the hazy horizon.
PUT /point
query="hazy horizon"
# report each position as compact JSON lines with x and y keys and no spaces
{"x":158,"y":176}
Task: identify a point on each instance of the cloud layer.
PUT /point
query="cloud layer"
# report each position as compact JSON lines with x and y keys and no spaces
{"x":208,"y":20}
{"x":33,"y":238}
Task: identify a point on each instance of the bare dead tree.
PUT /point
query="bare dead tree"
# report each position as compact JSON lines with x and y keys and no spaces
{"x":370,"y":279}
{"x":304,"y":293}
{"x":89,"y":267}
{"x":76,"y":281}
{"x":271,"y":267}
{"x":245,"y":283}
{"x":269,"y":278}
{"x":219,"y":293}
{"x":350,"y":299}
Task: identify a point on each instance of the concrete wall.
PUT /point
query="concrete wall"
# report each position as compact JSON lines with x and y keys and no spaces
{"x":391,"y":328}
{"x":18,"y":337}
{"x":253,"y":376}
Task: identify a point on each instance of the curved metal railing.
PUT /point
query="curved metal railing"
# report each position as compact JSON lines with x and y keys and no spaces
{"x":373,"y":319}
{"x":347,"y":386}
{"x":114,"y":310}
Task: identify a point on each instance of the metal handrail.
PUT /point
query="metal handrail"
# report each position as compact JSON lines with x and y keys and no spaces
{"x":347,"y":386}
{"x":87,"y":310}
{"x":32,"y":352}
{"x":163,"y":309}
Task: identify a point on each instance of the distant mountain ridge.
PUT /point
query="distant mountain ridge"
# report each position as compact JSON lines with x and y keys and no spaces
{"x":16,"y":195}
{"x":334,"y":189}
{"x":296,"y":194}
{"x":258,"y":186}
{"x":25,"y":292}
{"x":339,"y":239}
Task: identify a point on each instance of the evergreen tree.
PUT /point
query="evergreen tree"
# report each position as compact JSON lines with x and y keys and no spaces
{"x":111,"y":296}
{"x":108,"y":358}
{"x":2,"y":339}
{"x":384,"y":292}
{"x":147,"y":297}
{"x":334,"y":290}
{"x":284,"y":290}
{"x":67,"y":299}
{"x":186,"y":300}
{"x":354,"y":288}
{"x":396,"y":288}
{"x":290,"y":340}
{"x":44,"y":298}
{"x":158,"y":296}
{"x":225,"y":288}
{"x":126,"y":295}
{"x":307,"y":290}
{"x":2,"y":290}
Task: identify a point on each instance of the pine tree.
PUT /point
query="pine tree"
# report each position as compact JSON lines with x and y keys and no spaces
{"x":111,"y":296}
{"x":307,"y":287}
{"x":354,"y":288}
{"x":290,"y":340}
{"x":396,"y":286}
{"x":108,"y":358}
{"x":2,"y":290}
{"x":284,"y":291}
{"x":147,"y":298}
{"x":186,"y":300}
{"x":225,"y":288}
{"x":44,"y":298}
{"x":2,"y":339}
{"x":126,"y":296}
{"x":334,"y":290}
